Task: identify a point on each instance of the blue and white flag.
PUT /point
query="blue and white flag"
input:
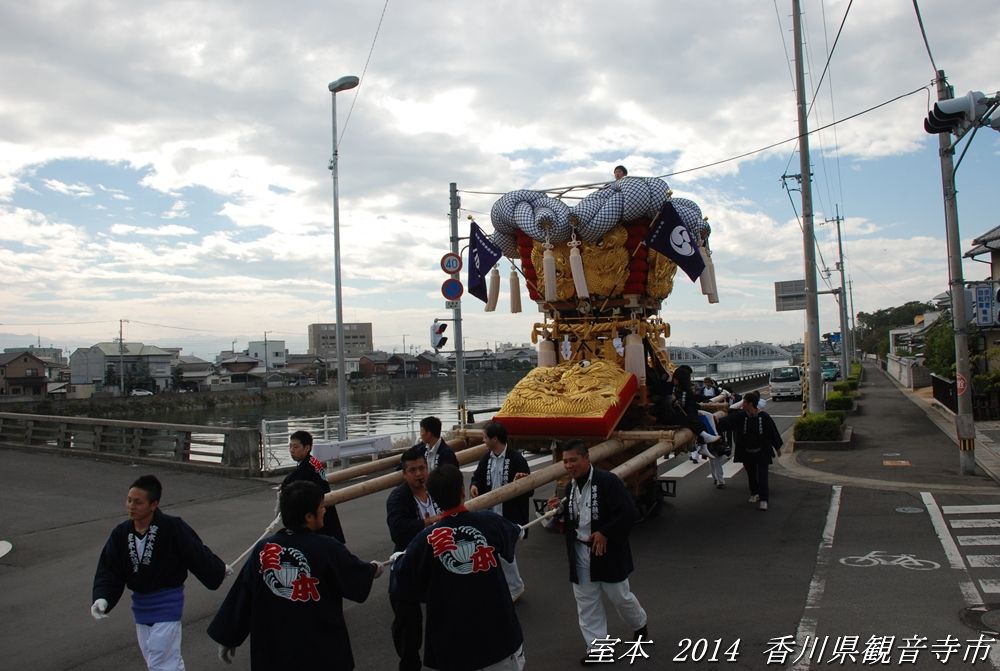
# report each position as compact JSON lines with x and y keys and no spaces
{"x":670,"y":237}
{"x":483,"y":255}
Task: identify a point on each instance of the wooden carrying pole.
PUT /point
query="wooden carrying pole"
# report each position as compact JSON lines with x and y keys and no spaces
{"x":385,"y":463}
{"x":390,"y":480}
{"x":541,"y":477}
{"x":649,"y":456}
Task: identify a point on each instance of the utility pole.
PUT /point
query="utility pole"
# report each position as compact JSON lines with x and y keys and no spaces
{"x":121,"y":357}
{"x":965,"y":426}
{"x":265,"y":357}
{"x":816,"y":403}
{"x":463,"y":415}
{"x":854,"y":344}
{"x":841,"y":297}
{"x":404,"y":356}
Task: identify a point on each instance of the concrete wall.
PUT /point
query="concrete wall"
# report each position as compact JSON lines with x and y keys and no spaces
{"x":908,"y":371}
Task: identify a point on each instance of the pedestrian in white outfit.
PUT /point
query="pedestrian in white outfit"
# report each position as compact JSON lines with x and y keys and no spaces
{"x":598,"y":513}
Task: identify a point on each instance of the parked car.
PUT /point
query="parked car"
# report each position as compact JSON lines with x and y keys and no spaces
{"x":441,"y":373}
{"x":140,"y":392}
{"x":831,"y":371}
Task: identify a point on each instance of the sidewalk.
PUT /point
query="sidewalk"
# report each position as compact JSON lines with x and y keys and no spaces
{"x":902,"y":440}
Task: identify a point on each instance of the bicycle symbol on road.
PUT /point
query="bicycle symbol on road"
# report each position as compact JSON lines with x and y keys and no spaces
{"x":880,"y":558}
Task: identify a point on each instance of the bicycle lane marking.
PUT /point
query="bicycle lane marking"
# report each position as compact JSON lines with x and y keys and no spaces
{"x":808,"y":624}
{"x":966,"y":585}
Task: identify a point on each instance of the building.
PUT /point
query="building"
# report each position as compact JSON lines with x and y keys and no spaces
{"x":357,"y":339}
{"x":49,"y":354}
{"x":91,"y":365}
{"x":22,"y":374}
{"x":271,"y":353}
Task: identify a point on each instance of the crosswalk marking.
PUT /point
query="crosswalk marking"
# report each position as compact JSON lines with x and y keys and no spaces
{"x":970,"y":510}
{"x":974,"y":523}
{"x":987,"y":586}
{"x":540,"y":460}
{"x":983,"y":561}
{"x":978,"y":540}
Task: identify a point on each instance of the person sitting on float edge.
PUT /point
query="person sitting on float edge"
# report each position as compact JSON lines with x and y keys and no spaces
{"x":620,"y":171}
{"x":435,"y":450}
{"x":310,"y":469}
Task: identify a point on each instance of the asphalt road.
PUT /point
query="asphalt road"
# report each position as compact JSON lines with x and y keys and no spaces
{"x":710,"y":567}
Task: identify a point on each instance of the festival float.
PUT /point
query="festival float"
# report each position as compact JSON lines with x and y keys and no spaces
{"x":600,"y":272}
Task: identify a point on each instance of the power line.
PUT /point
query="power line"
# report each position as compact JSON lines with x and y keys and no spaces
{"x":923,"y":34}
{"x":364,"y":70}
{"x":725,"y":160}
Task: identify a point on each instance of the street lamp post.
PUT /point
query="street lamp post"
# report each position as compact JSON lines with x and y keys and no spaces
{"x":342,"y":84}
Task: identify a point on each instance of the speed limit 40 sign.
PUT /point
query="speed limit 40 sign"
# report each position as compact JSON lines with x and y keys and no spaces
{"x":451,"y":263}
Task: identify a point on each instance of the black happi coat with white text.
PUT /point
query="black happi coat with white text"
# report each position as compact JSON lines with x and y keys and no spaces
{"x":612,"y":513}
{"x":172,"y":549}
{"x":454,"y":565}
{"x":289,"y":599}
{"x":755,"y":436}
{"x":312,"y":470}
{"x":515,"y":510}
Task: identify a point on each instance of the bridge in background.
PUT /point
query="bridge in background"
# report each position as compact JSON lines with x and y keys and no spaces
{"x":709,"y":358}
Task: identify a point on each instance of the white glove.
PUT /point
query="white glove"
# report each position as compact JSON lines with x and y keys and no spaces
{"x":395,"y":555}
{"x":378,"y":568}
{"x":229,"y":570}
{"x":226,"y":654}
{"x":100,"y":609}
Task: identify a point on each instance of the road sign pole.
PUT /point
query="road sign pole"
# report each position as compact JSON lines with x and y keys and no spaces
{"x":455,"y":203}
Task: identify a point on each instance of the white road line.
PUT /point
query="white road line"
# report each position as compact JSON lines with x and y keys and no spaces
{"x":941,"y":529}
{"x":990,"y":585}
{"x":978,"y":540}
{"x":983,"y":561}
{"x":534,"y":461}
{"x":974,"y":523}
{"x":968,"y":510}
{"x":817,"y":585}
{"x":682,"y":469}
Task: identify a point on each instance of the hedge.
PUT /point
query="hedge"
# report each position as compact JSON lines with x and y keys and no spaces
{"x":838,"y":400}
{"x":818,"y":426}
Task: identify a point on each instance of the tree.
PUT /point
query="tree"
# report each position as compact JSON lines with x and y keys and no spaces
{"x":875,"y":326}
{"x":939,"y":347}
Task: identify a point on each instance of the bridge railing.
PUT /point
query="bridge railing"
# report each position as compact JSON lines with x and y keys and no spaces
{"x":203,"y":447}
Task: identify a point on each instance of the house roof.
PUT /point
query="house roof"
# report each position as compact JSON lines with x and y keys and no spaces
{"x":987,"y":242}
{"x":11,"y":356}
{"x":131,"y":349}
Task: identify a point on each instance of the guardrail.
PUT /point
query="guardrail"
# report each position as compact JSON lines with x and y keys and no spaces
{"x":275,"y":433}
{"x":145,"y":442}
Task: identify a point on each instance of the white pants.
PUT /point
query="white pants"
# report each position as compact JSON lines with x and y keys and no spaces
{"x":716,"y":466}
{"x":513,"y":663}
{"x":514,"y":582}
{"x":590,"y":608}
{"x":160,"y":644}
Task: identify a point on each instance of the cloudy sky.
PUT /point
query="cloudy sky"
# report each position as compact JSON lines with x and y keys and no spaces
{"x":166,"y":163}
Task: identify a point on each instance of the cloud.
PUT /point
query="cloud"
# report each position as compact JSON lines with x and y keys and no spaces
{"x":169,"y":230}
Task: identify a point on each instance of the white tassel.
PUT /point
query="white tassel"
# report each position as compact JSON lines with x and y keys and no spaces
{"x":515,"y":292}
{"x":576,"y":267}
{"x":546,"y":354}
{"x":708,"y":286}
{"x":567,"y":348}
{"x":549,"y":270}
{"x":635,"y":358}
{"x":493,"y":294}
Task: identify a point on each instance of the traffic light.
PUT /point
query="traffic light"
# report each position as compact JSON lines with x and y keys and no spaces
{"x":958,"y":114}
{"x":438,"y":340}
